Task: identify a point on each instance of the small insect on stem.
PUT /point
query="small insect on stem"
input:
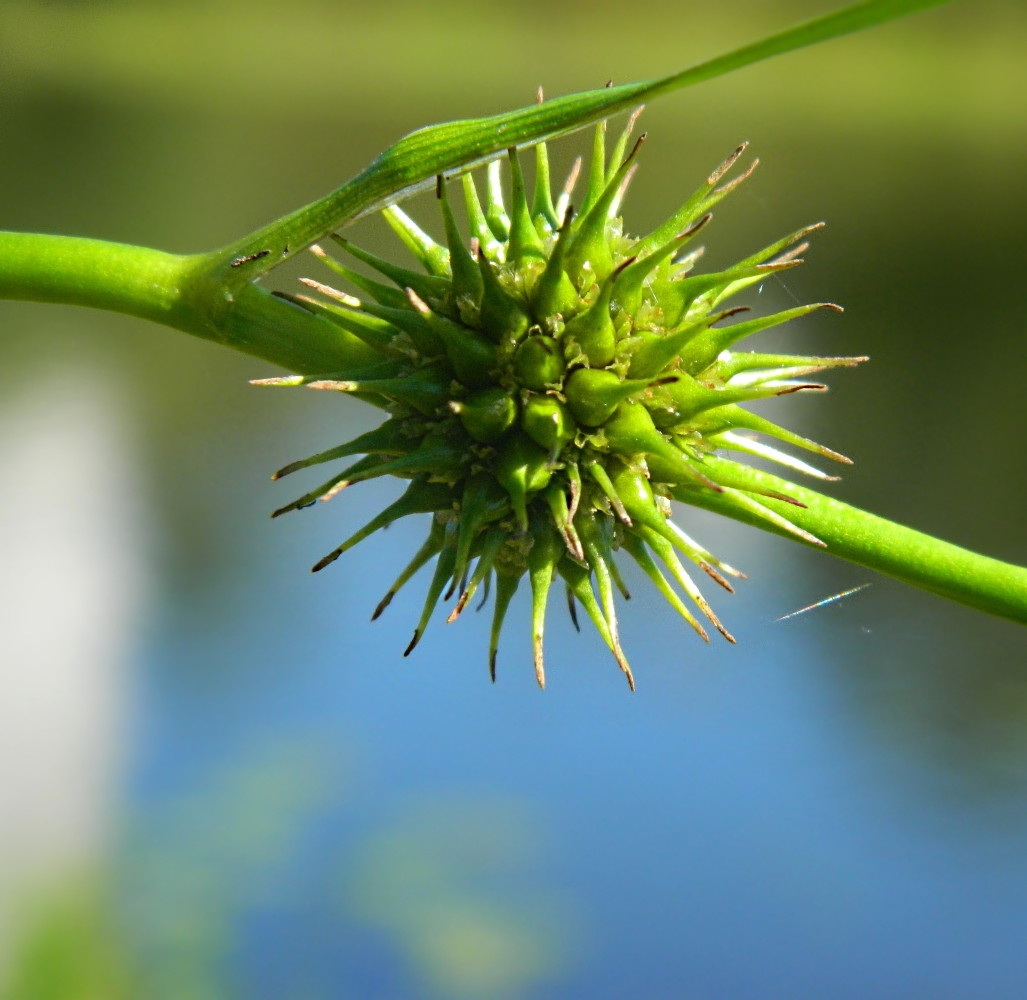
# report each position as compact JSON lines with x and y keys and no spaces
{"x":249,"y":258}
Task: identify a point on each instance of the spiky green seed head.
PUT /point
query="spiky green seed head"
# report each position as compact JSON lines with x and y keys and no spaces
{"x":552,"y":383}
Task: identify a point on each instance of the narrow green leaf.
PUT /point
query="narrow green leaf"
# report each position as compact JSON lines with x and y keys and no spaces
{"x":412,"y":163}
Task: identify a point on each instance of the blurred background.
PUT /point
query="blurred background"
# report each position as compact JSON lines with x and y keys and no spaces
{"x":219,"y":780}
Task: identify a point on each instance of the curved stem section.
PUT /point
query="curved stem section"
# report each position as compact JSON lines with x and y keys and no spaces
{"x":176,"y":291}
{"x":95,"y":273}
{"x":867,"y":540}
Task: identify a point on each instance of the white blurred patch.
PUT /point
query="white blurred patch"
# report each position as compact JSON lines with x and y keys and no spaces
{"x":71,"y":577}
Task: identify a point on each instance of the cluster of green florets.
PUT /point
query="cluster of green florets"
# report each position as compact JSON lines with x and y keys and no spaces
{"x":553,"y":384}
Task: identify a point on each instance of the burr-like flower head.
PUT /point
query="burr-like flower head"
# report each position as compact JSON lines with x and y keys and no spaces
{"x":553,"y":384}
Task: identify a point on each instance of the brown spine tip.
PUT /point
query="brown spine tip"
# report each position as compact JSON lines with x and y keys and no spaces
{"x":728,"y":313}
{"x":788,"y":257}
{"x":460,"y":605}
{"x":726,"y":165}
{"x":572,"y":609}
{"x":333,"y":384}
{"x":382,"y":605}
{"x":276,"y":380}
{"x":622,"y":265}
{"x":695,"y":226}
{"x":714,"y":575}
{"x":327,"y":561}
{"x":332,"y":293}
{"x":492,"y":666}
{"x":413,"y":642}
{"x":572,"y":177}
{"x":438,"y":186}
{"x":335,"y":490}
{"x":540,"y":95}
{"x":708,"y":611}
{"x":731,"y":185}
{"x":417,"y":302}
{"x":540,"y":673}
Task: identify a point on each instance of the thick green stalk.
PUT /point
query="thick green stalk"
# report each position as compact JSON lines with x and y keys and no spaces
{"x":176,"y":291}
{"x":849,"y":533}
{"x":95,"y":273}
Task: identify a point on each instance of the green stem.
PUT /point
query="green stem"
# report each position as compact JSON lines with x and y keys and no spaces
{"x":867,"y":540}
{"x":176,"y":291}
{"x":94,"y":273}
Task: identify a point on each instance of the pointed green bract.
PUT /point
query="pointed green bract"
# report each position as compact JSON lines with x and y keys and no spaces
{"x":656,"y":351}
{"x":703,"y":350}
{"x":548,"y":422}
{"x":591,"y":244}
{"x":467,"y":281}
{"x":487,"y":415}
{"x":555,"y":293}
{"x":428,"y":286}
{"x":425,"y":389}
{"x":373,"y":331}
{"x":482,"y":502}
{"x":621,"y":146}
{"x":593,"y":394}
{"x":524,"y":243}
{"x":507,"y":581}
{"x":433,"y":257}
{"x":600,"y":558}
{"x":391,"y":438}
{"x":367,"y":465}
{"x":538,"y":364}
{"x":501,"y":317}
{"x":421,"y":497}
{"x":546,"y":552}
{"x":495,"y":209}
{"x":494,"y":249}
{"x":432,"y":547}
{"x":441,"y":576}
{"x":627,"y":289}
{"x":592,"y":331}
{"x":522,"y":468}
{"x":493,"y":541}
{"x":692,"y":209}
{"x":596,"y":171}
{"x":410,"y":322}
{"x":543,"y":212}
{"x":472,"y":356}
{"x":386,"y":295}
